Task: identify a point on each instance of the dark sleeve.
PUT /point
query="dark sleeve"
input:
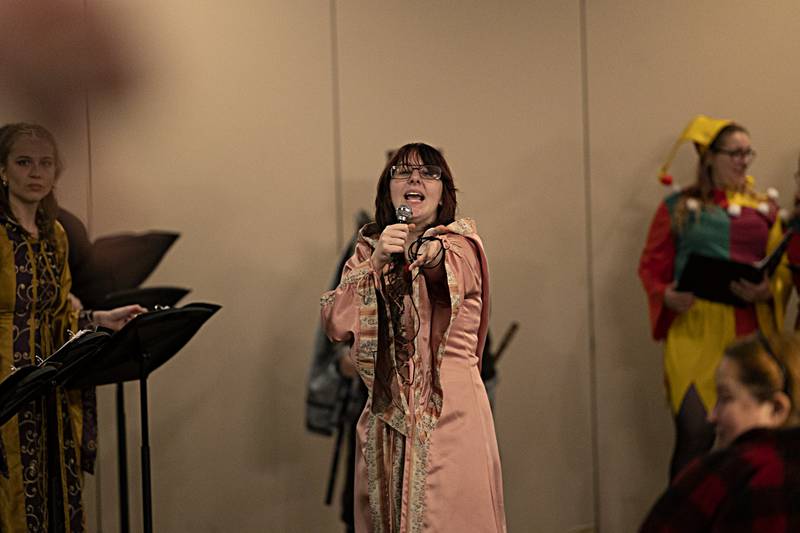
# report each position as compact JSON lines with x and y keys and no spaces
{"x":690,"y":502}
{"x":739,"y":488}
{"x":80,"y":253}
{"x":3,"y":463}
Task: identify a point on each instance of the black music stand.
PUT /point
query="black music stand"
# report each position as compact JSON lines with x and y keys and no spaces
{"x":77,"y":355}
{"x":120,"y":262}
{"x":104,"y":275}
{"x":31,"y":382}
{"x":22,"y":386}
{"x":133,"y":353}
{"x":151,"y":298}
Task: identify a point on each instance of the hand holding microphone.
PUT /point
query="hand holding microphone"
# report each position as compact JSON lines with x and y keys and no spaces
{"x":393,"y":239}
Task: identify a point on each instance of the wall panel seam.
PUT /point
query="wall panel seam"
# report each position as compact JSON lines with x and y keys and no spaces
{"x":587,"y":178}
{"x":89,"y":171}
{"x":337,"y":130}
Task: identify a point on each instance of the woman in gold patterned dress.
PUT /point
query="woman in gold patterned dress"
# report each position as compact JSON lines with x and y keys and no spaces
{"x":35,"y":315}
{"x":414,"y":301}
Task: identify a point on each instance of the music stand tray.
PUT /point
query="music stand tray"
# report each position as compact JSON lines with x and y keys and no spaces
{"x":22,"y":386}
{"x":29,"y":382}
{"x":145,"y":343}
{"x":77,"y":355}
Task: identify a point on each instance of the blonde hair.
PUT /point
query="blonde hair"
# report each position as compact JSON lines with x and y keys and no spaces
{"x":48,"y":207}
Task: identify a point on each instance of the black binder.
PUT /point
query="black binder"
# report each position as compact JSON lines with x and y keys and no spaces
{"x":710,"y":277}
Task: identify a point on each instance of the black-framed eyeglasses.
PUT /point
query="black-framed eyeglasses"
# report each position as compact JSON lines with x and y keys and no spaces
{"x":426,"y":172}
{"x":740,"y":153}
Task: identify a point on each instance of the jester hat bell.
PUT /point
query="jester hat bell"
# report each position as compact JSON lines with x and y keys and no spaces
{"x":702,"y":130}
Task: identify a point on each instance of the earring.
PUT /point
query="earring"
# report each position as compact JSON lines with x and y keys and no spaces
{"x":4,"y":180}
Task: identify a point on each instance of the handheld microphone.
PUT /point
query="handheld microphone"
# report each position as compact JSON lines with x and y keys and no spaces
{"x":403,"y":214}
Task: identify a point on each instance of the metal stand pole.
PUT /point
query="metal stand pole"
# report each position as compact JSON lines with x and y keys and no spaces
{"x":122,"y":461}
{"x":55,"y":494}
{"x":147,"y":504}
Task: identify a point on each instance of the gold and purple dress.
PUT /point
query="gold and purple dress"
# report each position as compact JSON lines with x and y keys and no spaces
{"x":35,"y":316}
{"x":427,"y":456}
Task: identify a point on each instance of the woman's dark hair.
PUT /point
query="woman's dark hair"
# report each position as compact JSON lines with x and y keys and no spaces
{"x":703,"y":186}
{"x":767,"y":366}
{"x":395,"y":283}
{"x":428,"y":155}
{"x":48,"y":207}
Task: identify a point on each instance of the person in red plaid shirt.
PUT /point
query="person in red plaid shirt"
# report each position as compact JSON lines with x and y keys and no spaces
{"x":750,"y":482}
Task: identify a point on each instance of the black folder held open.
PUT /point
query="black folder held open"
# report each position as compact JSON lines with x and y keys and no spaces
{"x":710,"y":277}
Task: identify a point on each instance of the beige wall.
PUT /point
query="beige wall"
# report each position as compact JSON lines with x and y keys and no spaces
{"x":651,"y":69}
{"x":247,"y":118}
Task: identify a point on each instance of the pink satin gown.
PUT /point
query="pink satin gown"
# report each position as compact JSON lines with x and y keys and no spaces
{"x":427,"y":461}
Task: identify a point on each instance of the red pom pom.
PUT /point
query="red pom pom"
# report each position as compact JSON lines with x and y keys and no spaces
{"x":666,"y":179}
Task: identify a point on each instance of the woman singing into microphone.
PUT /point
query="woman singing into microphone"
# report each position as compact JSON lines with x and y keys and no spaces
{"x":414,"y":302}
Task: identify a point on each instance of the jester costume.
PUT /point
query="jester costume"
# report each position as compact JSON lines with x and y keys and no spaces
{"x":35,"y":316}
{"x":739,"y":226}
{"x":427,"y":457}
